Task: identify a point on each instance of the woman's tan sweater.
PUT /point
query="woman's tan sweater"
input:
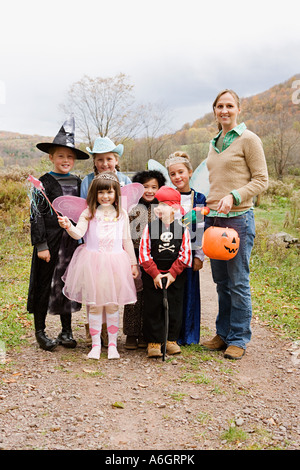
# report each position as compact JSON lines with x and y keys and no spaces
{"x":241,"y":167}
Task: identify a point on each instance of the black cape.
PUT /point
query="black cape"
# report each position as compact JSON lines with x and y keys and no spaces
{"x":45,"y":228}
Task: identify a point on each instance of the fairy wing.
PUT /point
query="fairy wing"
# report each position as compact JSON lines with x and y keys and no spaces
{"x":130,"y":195}
{"x":199,"y":180}
{"x":70,"y":206}
{"x":154,"y":165}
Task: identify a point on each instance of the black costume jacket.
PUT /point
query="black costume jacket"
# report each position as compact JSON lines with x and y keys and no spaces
{"x":45,"y":229}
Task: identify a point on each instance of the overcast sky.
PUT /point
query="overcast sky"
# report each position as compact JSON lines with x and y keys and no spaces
{"x":179,"y":53}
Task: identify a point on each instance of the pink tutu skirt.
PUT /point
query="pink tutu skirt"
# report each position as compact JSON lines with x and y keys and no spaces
{"x":99,"y":278}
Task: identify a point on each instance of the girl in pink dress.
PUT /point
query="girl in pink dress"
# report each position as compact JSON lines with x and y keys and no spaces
{"x":102,"y":270}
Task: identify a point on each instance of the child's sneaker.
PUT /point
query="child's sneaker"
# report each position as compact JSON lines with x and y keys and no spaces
{"x":112,"y":352}
{"x":94,"y":352}
{"x":154,"y":350}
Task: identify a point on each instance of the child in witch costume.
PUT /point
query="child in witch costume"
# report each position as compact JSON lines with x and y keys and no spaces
{"x":53,"y":248}
{"x":165,"y":251}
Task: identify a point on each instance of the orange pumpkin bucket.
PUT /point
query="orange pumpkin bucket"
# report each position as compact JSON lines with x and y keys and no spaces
{"x":220,"y":243}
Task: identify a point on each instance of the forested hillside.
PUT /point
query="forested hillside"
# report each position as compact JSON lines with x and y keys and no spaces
{"x":273,"y":114}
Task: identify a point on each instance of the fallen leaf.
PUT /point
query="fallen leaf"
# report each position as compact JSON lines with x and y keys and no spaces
{"x":118,"y":404}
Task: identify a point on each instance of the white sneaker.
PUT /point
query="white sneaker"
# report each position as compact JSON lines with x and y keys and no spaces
{"x":113,"y":353}
{"x":94,"y":352}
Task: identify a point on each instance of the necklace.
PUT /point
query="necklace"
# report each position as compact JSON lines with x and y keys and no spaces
{"x":108,"y":215}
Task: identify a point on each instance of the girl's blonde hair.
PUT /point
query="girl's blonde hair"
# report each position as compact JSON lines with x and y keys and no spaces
{"x":179,"y":157}
{"x":103,"y":181}
{"x":233,"y":94}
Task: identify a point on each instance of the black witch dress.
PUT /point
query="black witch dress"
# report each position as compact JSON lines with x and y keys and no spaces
{"x":45,"y":285}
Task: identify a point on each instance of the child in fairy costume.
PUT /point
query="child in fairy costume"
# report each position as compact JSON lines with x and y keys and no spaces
{"x":106,"y":157}
{"x":102,"y":271}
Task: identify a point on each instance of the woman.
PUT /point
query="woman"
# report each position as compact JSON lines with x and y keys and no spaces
{"x":237,"y":172}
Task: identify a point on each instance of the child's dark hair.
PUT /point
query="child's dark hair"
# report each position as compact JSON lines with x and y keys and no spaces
{"x":103,"y":181}
{"x":146,"y":175}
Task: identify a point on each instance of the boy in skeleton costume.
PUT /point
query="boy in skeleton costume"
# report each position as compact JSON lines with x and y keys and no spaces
{"x":165,"y":251}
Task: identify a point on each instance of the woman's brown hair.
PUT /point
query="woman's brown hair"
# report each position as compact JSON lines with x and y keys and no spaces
{"x":103,"y":181}
{"x":233,"y":94}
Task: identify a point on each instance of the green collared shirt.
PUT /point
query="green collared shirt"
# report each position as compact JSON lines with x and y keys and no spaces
{"x":229,"y":137}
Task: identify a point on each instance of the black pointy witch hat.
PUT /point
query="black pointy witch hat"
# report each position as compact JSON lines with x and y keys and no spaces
{"x":65,"y":138}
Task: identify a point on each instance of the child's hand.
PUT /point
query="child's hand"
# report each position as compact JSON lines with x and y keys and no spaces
{"x":157,"y":281}
{"x":135,"y":271}
{"x":197,"y":264}
{"x":64,"y":222}
{"x":44,"y":255}
{"x":170,"y":279}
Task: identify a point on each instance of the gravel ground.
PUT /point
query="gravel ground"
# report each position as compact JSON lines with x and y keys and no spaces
{"x":193,"y":401}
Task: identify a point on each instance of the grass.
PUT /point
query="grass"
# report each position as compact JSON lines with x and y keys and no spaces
{"x":275,"y":272}
{"x":15,"y":259}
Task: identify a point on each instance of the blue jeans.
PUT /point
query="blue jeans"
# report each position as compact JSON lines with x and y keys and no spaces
{"x":232,"y":280}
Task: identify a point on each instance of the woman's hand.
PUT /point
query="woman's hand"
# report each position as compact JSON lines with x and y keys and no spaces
{"x":225,"y":204}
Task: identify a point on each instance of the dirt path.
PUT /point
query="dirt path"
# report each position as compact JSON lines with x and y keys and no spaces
{"x":62,"y":400}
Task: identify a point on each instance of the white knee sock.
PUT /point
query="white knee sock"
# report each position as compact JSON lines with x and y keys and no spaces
{"x":95,"y":325}
{"x":112,"y":320}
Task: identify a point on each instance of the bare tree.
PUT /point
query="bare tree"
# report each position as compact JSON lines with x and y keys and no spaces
{"x":283,"y":144}
{"x":102,"y":106}
{"x":107,"y":107}
{"x":154,"y":119}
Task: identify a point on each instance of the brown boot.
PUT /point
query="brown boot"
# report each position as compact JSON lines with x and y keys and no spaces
{"x":215,"y":344}
{"x":104,"y":335}
{"x":154,"y":350}
{"x":234,"y":352}
{"x":173,"y":347}
{"x":131,"y":342}
{"x":88,"y":334}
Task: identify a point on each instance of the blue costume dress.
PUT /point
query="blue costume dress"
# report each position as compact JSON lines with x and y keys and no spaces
{"x":123,"y":180}
{"x":190,"y":330}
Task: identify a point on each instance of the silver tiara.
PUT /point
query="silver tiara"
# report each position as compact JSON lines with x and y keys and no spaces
{"x":176,"y":159}
{"x":107,"y":176}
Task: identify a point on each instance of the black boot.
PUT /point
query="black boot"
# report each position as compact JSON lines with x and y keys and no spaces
{"x":45,"y":343}
{"x":65,"y":338}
